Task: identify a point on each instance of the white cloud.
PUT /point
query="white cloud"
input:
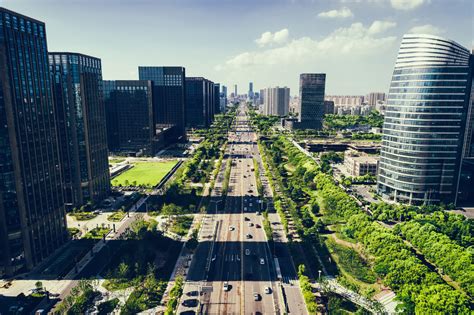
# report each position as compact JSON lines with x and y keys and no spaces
{"x":407,"y":4}
{"x":356,"y":39}
{"x":344,"y":12}
{"x":269,"y":38}
{"x":381,"y":26}
{"x":426,"y":29}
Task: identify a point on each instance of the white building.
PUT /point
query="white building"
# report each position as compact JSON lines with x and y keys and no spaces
{"x":276,"y":101}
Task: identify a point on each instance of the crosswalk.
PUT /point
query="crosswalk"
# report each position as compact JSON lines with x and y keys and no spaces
{"x":289,"y":280}
{"x":232,"y":258}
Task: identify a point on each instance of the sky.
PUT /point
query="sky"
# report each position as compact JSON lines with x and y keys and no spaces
{"x":268,"y":42}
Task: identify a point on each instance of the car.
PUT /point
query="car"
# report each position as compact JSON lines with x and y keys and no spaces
{"x":231,"y":228}
{"x":190,"y":303}
{"x":246,"y":219}
{"x":250,"y":191}
{"x":256,"y":296}
{"x":247,"y":252}
{"x":245,"y":208}
{"x":262,"y":261}
{"x":226,"y":286}
{"x":247,"y":236}
{"x":268,"y":290}
{"x":250,"y":224}
{"x":257,"y":226}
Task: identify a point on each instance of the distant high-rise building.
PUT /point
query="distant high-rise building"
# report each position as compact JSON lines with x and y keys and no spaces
{"x":199,"y":102}
{"x":374,"y":97}
{"x":32,"y":214}
{"x":425,"y":121}
{"x":168,"y":97}
{"x":80,"y":117}
{"x":235,"y":90}
{"x":276,"y":101}
{"x":311,"y":106}
{"x":129,"y":109}
{"x":223,"y":100}
{"x":250,"y":94}
{"x":217,"y":99}
{"x":345,"y":100}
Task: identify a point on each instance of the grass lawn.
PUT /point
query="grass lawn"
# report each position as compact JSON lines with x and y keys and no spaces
{"x":144,"y":173}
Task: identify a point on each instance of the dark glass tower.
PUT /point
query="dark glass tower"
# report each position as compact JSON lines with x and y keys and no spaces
{"x":199,"y":102}
{"x":217,"y":99}
{"x":168,"y":97}
{"x":32,"y":216}
{"x":425,"y":121}
{"x":80,"y":115}
{"x":311,"y":107}
{"x":129,"y":108}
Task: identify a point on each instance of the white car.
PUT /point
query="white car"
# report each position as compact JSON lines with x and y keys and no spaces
{"x":231,"y":228}
{"x":262,"y":261}
{"x":250,"y":224}
{"x":268,"y":290}
{"x":226,"y":286}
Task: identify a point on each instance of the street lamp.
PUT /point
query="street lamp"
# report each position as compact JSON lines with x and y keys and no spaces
{"x":319,"y":273}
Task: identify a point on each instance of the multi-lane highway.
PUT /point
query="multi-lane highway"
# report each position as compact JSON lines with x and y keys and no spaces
{"x":233,"y":270}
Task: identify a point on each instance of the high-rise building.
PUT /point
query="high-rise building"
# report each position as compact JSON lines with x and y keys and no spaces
{"x":199,"y":102}
{"x":276,"y":101}
{"x":425,"y":121}
{"x":32,"y":214}
{"x":223,"y":100}
{"x":80,"y":118}
{"x":168,"y":98}
{"x":217,"y":99}
{"x":345,"y":100}
{"x":250,"y":94}
{"x":311,"y":106}
{"x":374,"y":97}
{"x":129,"y":109}
{"x":235,"y":90}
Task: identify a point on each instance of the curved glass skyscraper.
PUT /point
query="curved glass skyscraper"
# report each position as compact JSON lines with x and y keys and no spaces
{"x":425,"y":120}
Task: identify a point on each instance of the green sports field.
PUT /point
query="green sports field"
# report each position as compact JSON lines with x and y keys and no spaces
{"x":144,"y":173}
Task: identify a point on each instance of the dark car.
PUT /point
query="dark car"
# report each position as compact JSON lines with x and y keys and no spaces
{"x":190,"y":303}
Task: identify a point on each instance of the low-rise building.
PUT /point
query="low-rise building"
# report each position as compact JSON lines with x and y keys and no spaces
{"x":360,"y":164}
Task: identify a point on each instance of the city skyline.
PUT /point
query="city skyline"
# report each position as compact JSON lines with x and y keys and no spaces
{"x":354,"y":42}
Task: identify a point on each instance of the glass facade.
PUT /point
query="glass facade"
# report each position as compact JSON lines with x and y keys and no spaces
{"x":32,"y":216}
{"x":311,"y":107}
{"x":129,"y":109}
{"x":80,"y":115}
{"x":200,"y":100}
{"x":168,"y":97}
{"x":425,"y":121}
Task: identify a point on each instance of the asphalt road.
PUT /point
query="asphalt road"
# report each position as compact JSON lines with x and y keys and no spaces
{"x":233,"y":248}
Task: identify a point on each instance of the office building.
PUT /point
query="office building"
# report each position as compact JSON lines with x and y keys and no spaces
{"x":223,"y":100}
{"x":129,"y":110}
{"x":32,"y":214}
{"x":374,"y":97}
{"x":168,"y":98}
{"x":360,"y":164}
{"x":81,"y":123}
{"x":250,"y":93}
{"x":345,"y":100}
{"x":425,"y":121}
{"x":199,"y":102}
{"x":235,"y":91}
{"x":328,"y":107}
{"x":311,"y":105}
{"x":276,"y":101}
{"x":217,"y":99}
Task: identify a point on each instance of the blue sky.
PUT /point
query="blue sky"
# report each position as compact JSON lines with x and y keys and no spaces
{"x":269,"y":42}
